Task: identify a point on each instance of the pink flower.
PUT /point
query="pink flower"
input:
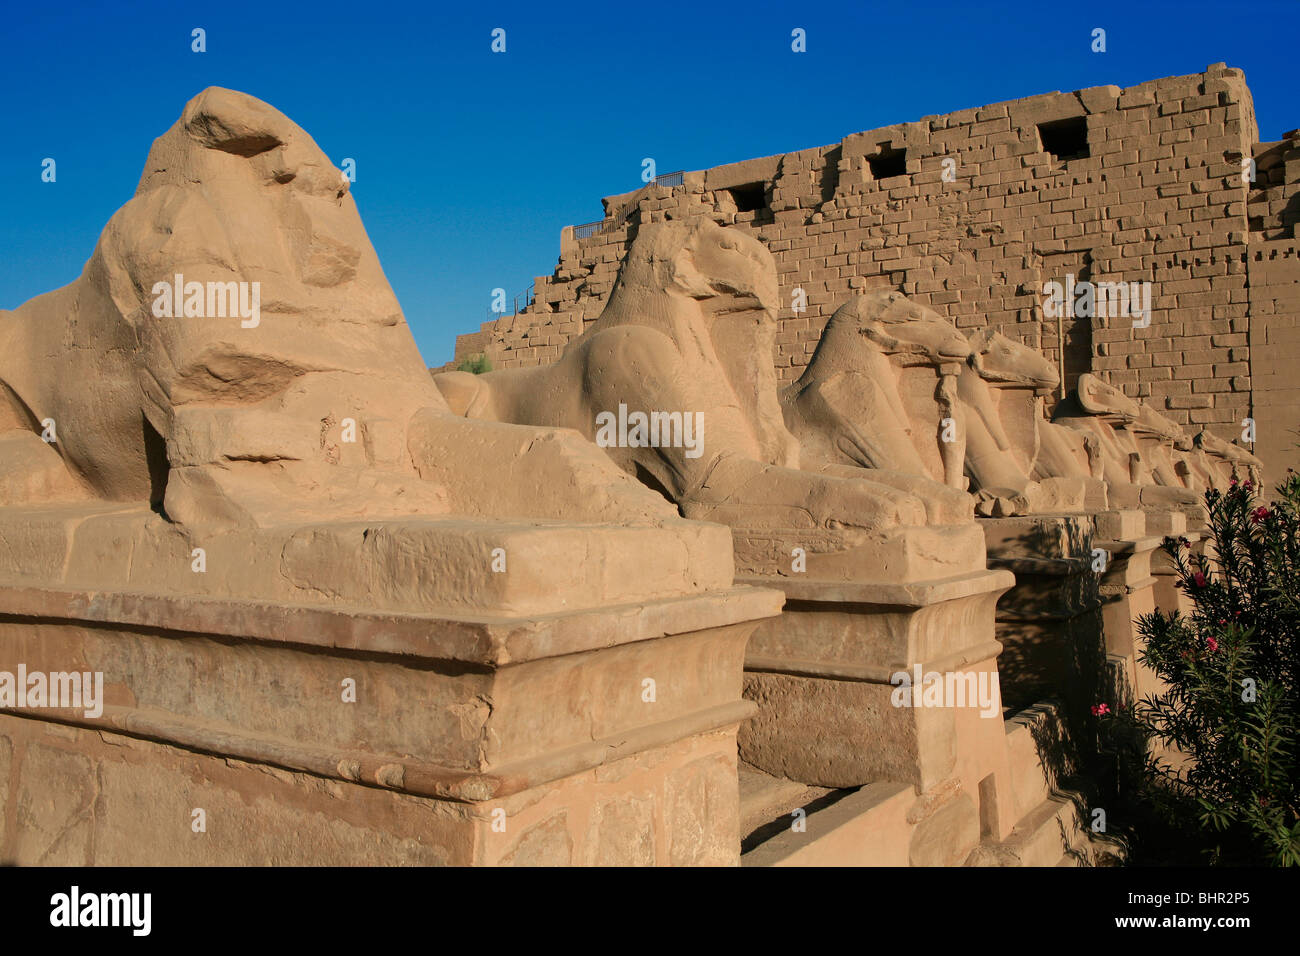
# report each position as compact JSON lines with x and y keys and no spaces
{"x":1259,"y":514}
{"x":1100,"y":710}
{"x":1248,"y":484}
{"x":1212,"y":643}
{"x":1199,"y":578}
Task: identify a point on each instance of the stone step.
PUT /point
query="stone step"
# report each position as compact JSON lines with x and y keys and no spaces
{"x":865,"y":826}
{"x":1033,"y":734}
{"x":1042,"y":836}
{"x":767,"y":802}
{"x":1055,"y":833}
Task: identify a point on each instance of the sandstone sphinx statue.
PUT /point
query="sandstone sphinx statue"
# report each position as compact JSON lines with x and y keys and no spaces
{"x":1217,"y":461}
{"x":1011,"y":449}
{"x":1146,"y":459}
{"x":314,"y":597}
{"x":857,"y":403}
{"x":689,"y":328}
{"x":233,"y":356}
{"x":893,"y":385}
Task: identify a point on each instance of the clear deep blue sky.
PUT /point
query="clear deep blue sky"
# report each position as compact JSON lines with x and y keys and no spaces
{"x":469,"y":163}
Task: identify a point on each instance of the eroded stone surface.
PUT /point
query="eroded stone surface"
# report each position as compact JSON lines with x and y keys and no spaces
{"x":689,"y":329}
{"x":280,"y":390}
{"x":228,"y":485}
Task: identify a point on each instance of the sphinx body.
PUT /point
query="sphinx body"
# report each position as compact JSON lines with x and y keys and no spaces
{"x":852,"y":406}
{"x":998,"y":368}
{"x":1209,"y":458}
{"x":690,"y":327}
{"x":1136,"y":448}
{"x":1114,"y":450}
{"x":1018,"y":462}
{"x":893,"y":385}
{"x":186,"y":407}
{"x":887,"y":374}
{"x":317,"y":407}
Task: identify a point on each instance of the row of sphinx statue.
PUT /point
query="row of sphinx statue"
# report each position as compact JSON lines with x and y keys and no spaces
{"x":893,"y":392}
{"x":899,"y":421}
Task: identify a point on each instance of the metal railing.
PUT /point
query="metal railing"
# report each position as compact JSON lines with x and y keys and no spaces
{"x":589,"y":229}
{"x":527,"y":298}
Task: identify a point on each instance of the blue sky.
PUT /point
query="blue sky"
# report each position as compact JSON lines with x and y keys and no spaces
{"x":469,"y":163}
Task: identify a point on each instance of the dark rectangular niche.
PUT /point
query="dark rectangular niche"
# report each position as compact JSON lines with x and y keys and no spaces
{"x":750,"y":197}
{"x":1065,"y":139}
{"x":888,"y":163}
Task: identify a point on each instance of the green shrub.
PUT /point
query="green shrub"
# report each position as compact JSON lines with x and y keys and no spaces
{"x":1231,"y":668}
{"x":477,"y":364}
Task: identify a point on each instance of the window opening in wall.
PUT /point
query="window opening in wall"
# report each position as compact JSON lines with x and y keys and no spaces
{"x":887,"y":163}
{"x":1065,"y":139}
{"x":749,"y":197}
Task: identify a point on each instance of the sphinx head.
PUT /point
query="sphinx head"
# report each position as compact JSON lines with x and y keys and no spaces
{"x":903,"y":328}
{"x":1098,"y":398}
{"x":1156,"y":424}
{"x":999,"y":359}
{"x":271,"y":206}
{"x":725,"y":270}
{"x":276,"y":149}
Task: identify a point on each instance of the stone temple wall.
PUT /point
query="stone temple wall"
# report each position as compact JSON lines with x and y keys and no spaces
{"x":972,"y":212}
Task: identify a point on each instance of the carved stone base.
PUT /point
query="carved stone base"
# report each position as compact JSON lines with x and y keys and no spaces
{"x":1037,"y":821}
{"x":1169,"y":597}
{"x":324,"y":735}
{"x":1127,"y":592}
{"x":1050,"y":623}
{"x":825,"y":678}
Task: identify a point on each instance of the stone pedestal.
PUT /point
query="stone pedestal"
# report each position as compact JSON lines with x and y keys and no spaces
{"x":826,"y":678}
{"x":1168,"y":596}
{"x":304,"y":734}
{"x":1127,"y":592}
{"x":1050,"y":623}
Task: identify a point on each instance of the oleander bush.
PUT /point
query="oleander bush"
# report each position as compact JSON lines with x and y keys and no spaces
{"x":1219,"y":743}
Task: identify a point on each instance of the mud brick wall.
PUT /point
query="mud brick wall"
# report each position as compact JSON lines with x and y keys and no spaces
{"x":1273,"y":274}
{"x":972,"y":212}
{"x":1274,"y":271}
{"x":1274,"y":206}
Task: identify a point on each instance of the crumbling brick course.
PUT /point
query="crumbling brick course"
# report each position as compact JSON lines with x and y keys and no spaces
{"x":985,"y":214}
